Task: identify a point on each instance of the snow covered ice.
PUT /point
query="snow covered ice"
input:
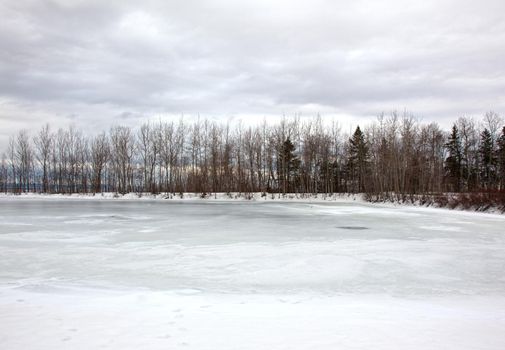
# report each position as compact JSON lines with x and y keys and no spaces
{"x":153,"y":274}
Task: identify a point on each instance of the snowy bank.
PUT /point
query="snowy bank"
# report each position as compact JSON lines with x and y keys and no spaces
{"x":448,"y":201}
{"x":234,"y":196}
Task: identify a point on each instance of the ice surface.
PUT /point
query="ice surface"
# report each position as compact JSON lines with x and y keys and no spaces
{"x":116,"y":274}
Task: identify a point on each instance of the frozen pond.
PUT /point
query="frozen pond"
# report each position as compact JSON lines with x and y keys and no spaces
{"x":131,"y":274}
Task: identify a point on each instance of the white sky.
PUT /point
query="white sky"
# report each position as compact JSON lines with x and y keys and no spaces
{"x":97,"y":63}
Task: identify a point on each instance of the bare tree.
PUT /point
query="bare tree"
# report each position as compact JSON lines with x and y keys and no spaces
{"x":148,"y":145}
{"x":123,"y":149}
{"x":43,"y":144}
{"x":24,"y":158}
{"x":100,"y":150}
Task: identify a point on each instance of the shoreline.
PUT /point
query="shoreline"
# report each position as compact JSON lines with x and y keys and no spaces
{"x":248,"y":197}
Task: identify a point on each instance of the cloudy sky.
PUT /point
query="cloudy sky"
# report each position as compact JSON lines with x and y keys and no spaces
{"x":96,"y":63}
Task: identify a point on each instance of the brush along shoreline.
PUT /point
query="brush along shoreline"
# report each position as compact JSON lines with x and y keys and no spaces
{"x":454,"y":201}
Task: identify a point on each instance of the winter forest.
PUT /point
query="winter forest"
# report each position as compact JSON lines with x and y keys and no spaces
{"x":394,"y":158}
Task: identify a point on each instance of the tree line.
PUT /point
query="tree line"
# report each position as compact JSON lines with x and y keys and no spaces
{"x":392,"y":158}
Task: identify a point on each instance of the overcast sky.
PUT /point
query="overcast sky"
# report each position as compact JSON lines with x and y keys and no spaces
{"x":96,"y":63}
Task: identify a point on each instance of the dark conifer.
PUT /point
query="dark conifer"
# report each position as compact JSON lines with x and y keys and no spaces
{"x":289,"y":166}
{"x":501,"y":158}
{"x":358,"y":160}
{"x":487,"y":158}
{"x":453,"y":161}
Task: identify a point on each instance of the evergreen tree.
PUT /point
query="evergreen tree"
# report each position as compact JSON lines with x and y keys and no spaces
{"x":488,"y":160}
{"x":501,"y":158}
{"x":358,"y":160}
{"x":3,"y":174}
{"x":289,"y":166}
{"x":453,"y":167}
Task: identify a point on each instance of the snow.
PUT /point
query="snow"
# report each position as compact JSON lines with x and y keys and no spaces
{"x":344,"y":274}
{"x":191,"y":196}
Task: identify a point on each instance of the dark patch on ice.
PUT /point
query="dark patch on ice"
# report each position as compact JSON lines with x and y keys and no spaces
{"x":119,"y":217}
{"x":353,"y":227}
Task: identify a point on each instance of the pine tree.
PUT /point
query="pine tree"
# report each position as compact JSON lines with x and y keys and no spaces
{"x":488,"y":160}
{"x":289,"y":166}
{"x":453,"y":161}
{"x":3,"y":174}
{"x":501,"y":158}
{"x":358,"y":160}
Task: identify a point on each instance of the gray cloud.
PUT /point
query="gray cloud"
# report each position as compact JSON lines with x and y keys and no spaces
{"x":96,"y":63}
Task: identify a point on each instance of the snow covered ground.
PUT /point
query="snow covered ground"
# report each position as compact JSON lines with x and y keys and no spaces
{"x":130,"y":274}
